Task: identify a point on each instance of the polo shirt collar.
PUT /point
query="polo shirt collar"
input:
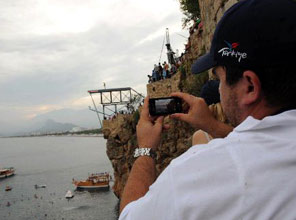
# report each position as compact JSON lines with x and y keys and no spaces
{"x":287,"y":118}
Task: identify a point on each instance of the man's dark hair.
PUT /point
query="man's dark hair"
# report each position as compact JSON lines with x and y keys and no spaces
{"x":278,"y":83}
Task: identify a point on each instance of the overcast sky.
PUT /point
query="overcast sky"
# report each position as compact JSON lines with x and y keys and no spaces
{"x":53,"y":51}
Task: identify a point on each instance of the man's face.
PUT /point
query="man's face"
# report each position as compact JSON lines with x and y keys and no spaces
{"x":229,"y":98}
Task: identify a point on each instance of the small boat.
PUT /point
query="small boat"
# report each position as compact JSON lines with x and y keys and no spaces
{"x":39,"y":186}
{"x":8,"y":188}
{"x":69,"y":195}
{"x":6,"y":172}
{"x":96,"y":181}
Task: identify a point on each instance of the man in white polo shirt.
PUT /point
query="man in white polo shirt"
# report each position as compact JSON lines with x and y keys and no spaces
{"x":250,"y":174}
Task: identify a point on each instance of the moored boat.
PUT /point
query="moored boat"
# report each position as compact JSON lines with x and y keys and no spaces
{"x":6,"y":172}
{"x":96,"y":181}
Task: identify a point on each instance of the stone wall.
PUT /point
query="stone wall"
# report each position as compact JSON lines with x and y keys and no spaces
{"x":211,"y":13}
{"x":121,"y":131}
{"x":120,"y":135}
{"x":164,"y":87}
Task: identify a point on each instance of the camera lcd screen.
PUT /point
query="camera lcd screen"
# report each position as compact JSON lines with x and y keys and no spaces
{"x":165,"y":106}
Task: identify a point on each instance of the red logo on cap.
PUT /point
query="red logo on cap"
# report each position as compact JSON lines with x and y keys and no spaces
{"x":234,"y":45}
{"x":231,"y":46}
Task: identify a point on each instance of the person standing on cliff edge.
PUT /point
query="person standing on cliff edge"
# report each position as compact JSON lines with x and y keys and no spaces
{"x":250,"y":173}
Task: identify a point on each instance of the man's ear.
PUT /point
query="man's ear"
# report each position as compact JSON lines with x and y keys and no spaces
{"x":251,"y":88}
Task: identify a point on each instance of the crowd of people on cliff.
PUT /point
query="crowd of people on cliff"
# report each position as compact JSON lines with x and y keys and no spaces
{"x":162,"y":71}
{"x":165,"y":70}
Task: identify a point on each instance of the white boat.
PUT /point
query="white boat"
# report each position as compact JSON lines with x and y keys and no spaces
{"x":6,"y":172}
{"x":69,"y":195}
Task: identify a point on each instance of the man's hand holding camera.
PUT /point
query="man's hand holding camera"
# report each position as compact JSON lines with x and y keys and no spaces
{"x":198,"y":115}
{"x":149,"y":128}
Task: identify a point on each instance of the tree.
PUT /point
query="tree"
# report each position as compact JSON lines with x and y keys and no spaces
{"x":191,"y":10}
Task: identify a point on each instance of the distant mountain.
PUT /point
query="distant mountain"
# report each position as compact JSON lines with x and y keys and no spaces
{"x":55,"y":121}
{"x":51,"y":126}
{"x":82,"y":118}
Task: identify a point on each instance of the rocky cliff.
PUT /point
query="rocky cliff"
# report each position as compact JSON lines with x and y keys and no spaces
{"x":120,"y":132}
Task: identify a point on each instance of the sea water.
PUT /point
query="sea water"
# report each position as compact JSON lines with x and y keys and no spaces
{"x":54,"y":161}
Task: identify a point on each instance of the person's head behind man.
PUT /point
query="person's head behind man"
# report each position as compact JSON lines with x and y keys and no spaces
{"x":253,"y":53}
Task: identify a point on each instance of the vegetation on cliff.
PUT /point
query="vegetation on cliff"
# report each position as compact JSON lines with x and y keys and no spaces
{"x":191,"y":10}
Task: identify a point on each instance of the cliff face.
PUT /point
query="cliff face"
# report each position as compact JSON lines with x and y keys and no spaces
{"x":120,"y":132}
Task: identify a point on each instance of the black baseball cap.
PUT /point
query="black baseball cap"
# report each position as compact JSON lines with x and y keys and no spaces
{"x":251,"y":34}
